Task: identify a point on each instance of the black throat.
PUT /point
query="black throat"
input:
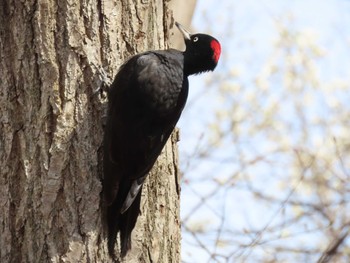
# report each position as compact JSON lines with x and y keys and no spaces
{"x":196,"y":64}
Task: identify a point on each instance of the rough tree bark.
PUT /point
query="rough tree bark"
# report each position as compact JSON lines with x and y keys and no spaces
{"x":51,"y":130}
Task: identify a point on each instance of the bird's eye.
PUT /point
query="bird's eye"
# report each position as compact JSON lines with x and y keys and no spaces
{"x":195,"y":39}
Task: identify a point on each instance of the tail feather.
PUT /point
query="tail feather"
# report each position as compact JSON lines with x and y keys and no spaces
{"x":113,"y":218}
{"x":127,"y":224}
{"x":122,"y":223}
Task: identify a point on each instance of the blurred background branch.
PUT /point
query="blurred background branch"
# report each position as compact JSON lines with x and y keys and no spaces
{"x":265,"y":145}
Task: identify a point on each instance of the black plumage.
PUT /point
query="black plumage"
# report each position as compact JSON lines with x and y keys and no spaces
{"x":146,"y":99}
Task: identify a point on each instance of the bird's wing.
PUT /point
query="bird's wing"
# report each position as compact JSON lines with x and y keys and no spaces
{"x":132,"y":194}
{"x":160,"y":81}
{"x":161,"y":94}
{"x":146,"y":100}
{"x":160,"y":85}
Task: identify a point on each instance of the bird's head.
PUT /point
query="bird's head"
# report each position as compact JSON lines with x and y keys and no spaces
{"x":202,"y":51}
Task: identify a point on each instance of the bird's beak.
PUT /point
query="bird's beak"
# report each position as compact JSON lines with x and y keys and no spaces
{"x":185,"y":33}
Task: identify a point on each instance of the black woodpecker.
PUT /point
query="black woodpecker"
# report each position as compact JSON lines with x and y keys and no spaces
{"x":145,"y":102}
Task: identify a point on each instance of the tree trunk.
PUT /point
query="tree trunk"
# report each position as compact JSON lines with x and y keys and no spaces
{"x":51,"y":130}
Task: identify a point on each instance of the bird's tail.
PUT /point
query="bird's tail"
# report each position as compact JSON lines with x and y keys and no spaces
{"x":122,"y":222}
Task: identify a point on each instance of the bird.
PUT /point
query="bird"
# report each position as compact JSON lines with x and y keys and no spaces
{"x":145,"y":101}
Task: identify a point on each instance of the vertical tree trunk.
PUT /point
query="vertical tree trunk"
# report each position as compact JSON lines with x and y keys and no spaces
{"x":51,"y":130}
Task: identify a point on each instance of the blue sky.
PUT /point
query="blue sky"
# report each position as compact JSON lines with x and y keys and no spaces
{"x":248,"y":31}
